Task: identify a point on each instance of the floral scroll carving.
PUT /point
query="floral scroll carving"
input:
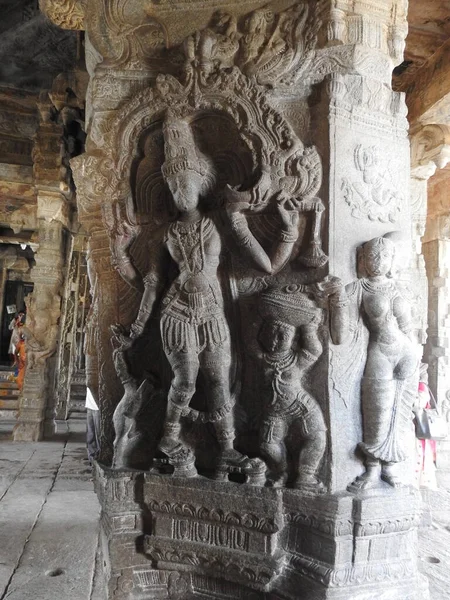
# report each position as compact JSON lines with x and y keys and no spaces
{"x":68,"y":14}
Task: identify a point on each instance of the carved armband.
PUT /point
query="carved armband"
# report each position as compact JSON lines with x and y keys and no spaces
{"x":151,"y":279}
{"x":240,"y":229}
{"x":121,"y":261}
{"x":338,"y":301}
{"x":289,"y":237}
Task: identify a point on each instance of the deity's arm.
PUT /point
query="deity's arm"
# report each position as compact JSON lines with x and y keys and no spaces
{"x":281,"y":251}
{"x":339,"y":318}
{"x":128,"y":271}
{"x":248,"y":243}
{"x":341,"y":322}
{"x":153,"y":284}
{"x":120,"y":246}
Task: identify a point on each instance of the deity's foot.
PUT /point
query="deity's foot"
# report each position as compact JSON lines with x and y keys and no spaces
{"x":171,"y":446}
{"x":179,"y":456}
{"x":392,"y":479}
{"x":309,"y":483}
{"x":276,"y":481}
{"x":232,"y":461}
{"x":369,"y":480}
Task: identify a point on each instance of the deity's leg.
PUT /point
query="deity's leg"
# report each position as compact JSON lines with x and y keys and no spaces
{"x":314,"y":433}
{"x":273,"y":450}
{"x":185,"y":370}
{"x":215,"y":365}
{"x":382,"y":413}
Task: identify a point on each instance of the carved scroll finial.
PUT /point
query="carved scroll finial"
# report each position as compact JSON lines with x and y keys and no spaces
{"x":68,"y":14}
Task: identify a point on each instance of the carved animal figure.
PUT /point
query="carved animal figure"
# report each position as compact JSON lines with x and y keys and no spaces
{"x":128,"y":436}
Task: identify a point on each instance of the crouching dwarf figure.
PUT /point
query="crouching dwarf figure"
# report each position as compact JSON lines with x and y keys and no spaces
{"x":291,"y":319}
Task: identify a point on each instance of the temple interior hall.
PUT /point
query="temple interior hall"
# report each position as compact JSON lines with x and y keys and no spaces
{"x":59,"y":283}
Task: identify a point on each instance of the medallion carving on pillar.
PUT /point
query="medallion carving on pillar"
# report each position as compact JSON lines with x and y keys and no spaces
{"x":372,"y":195}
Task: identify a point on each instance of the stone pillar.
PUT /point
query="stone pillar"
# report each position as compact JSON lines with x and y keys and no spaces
{"x":436,"y":250}
{"x":44,"y":305}
{"x":294,"y":108}
{"x":430,"y":153}
{"x":105,"y":289}
{"x":72,"y":325}
{"x":362,"y":135}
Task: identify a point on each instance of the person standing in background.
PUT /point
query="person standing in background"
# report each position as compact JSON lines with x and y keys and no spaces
{"x":425,"y":449}
{"x":92,"y":426}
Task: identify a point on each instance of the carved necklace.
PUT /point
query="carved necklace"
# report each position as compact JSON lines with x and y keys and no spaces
{"x":373,"y":288}
{"x":191,"y":235}
{"x":282,"y":363}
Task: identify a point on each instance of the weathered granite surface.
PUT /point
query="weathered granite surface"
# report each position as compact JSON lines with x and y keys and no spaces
{"x":255,"y":329}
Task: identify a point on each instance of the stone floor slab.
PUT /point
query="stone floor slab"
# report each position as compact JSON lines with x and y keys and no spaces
{"x":49,"y":525}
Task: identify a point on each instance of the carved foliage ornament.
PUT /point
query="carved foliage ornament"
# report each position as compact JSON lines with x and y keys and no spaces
{"x":68,"y":14}
{"x":282,"y":163}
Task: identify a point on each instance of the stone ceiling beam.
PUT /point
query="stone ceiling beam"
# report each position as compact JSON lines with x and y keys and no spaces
{"x":428,"y":97}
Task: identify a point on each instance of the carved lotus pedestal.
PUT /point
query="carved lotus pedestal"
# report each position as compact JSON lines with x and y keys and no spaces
{"x":165,"y":537}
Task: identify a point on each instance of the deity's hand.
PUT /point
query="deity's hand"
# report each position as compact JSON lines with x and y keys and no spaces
{"x":125,"y":236}
{"x":331,"y":287}
{"x":120,"y":339}
{"x":288,"y":212}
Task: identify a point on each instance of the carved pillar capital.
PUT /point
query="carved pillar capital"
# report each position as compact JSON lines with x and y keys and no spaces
{"x":374,"y":27}
{"x":430,"y":150}
{"x":67,"y":14}
{"x":53,"y":206}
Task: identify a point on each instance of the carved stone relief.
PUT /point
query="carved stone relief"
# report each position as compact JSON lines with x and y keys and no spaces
{"x":390,"y":378}
{"x":216,"y":328}
{"x":372,"y":195}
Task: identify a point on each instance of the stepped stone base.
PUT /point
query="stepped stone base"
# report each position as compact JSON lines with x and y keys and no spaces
{"x":9,"y":395}
{"x":166,"y":537}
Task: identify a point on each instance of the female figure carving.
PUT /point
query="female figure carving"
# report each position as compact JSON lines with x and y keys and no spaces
{"x":194,"y":330}
{"x":388,"y":385}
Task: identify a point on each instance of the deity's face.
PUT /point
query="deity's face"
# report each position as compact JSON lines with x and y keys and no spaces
{"x":378,"y":259}
{"x":275,"y":337}
{"x":185,"y":187}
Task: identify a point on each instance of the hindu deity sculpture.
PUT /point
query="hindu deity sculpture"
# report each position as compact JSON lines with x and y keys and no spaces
{"x":291,"y":345}
{"x":194,"y":329}
{"x":389,"y":382}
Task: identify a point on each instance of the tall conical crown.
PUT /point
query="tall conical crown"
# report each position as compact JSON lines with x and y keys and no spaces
{"x":179,"y":147}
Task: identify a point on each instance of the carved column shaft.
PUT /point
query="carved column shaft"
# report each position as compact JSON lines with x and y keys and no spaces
{"x":366,"y":182}
{"x":43,"y":311}
{"x":74,"y":299}
{"x":44,"y":305}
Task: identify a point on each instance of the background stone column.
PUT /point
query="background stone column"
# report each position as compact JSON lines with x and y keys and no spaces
{"x":70,"y":372}
{"x":44,"y":304}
